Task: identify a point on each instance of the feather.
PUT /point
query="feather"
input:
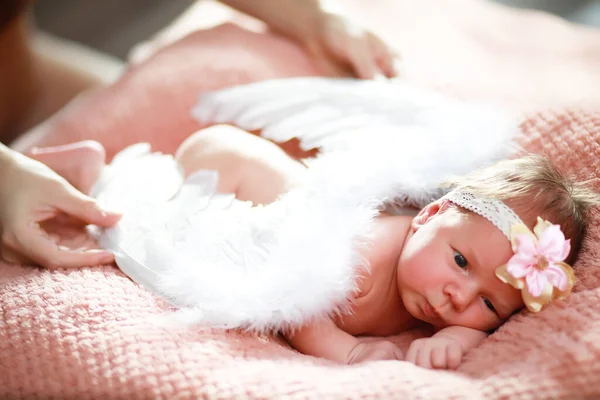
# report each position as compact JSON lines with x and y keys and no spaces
{"x":226,"y":263}
{"x":321,"y":110}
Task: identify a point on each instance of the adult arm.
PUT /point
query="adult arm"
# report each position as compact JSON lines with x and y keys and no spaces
{"x":324,"y":33}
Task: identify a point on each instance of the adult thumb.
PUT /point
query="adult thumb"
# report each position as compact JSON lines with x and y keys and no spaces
{"x":78,"y":205}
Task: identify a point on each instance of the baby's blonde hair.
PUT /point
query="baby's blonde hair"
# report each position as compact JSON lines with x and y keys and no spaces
{"x":532,"y":186}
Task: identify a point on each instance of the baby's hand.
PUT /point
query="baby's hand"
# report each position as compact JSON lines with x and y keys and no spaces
{"x":366,"y":53}
{"x":372,"y":351}
{"x":435,"y":352}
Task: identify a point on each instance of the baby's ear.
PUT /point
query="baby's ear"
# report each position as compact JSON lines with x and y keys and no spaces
{"x":429,"y":212}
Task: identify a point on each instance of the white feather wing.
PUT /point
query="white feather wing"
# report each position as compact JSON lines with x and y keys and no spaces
{"x":436,"y":136}
{"x":328,"y":113}
{"x":229,"y":264}
{"x":221,"y":260}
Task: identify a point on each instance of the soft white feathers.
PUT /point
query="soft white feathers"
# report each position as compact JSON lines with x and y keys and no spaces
{"x":432,"y":135}
{"x":326,"y":113}
{"x":229,"y":264}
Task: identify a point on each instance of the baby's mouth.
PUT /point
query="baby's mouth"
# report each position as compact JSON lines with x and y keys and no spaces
{"x":430,"y":311}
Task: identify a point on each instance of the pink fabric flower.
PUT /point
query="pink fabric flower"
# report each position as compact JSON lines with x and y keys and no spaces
{"x":537,"y":260}
{"x":538,"y":267}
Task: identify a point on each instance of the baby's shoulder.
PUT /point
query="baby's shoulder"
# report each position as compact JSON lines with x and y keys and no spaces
{"x":364,"y":284}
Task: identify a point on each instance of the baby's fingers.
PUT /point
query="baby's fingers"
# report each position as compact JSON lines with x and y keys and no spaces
{"x":453,"y":357}
{"x":398,"y":354}
{"x":412,"y":353}
{"x":439,"y":357}
{"x":419,"y":353}
{"x":424,"y":357}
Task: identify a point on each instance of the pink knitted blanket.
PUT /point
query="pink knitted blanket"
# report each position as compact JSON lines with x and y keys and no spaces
{"x":86,"y":333}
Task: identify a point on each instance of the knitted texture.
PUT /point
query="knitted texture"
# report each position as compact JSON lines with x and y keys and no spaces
{"x":89,"y":333}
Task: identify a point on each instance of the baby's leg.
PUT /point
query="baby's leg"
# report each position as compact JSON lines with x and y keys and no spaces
{"x":251,"y":167}
{"x":79,"y":163}
{"x":207,"y":147}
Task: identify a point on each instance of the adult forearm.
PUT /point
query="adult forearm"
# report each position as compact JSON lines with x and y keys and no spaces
{"x":297,"y":19}
{"x":18,"y":82}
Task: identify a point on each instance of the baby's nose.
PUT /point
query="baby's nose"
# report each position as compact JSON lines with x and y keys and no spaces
{"x":462,"y":294}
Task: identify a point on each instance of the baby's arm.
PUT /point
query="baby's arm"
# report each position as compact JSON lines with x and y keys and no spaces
{"x":249,"y":166}
{"x":445,"y":349}
{"x":325,"y":339}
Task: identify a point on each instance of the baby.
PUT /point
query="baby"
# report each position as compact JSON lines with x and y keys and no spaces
{"x":463,"y":264}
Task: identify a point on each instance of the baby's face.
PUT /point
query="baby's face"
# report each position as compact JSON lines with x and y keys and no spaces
{"x":446,"y":272}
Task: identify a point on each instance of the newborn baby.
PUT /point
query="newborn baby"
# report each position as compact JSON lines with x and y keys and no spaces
{"x":463,"y":264}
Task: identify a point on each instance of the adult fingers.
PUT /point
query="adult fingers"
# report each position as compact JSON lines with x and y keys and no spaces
{"x":13,"y":257}
{"x":38,"y":247}
{"x":386,"y":59}
{"x":74,"y":203}
{"x":362,"y":59}
{"x":8,"y":243}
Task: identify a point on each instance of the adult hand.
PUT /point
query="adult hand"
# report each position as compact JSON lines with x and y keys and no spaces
{"x":348,"y":43}
{"x":32,"y":195}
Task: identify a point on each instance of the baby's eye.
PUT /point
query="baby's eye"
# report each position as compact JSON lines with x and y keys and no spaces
{"x":460,"y":260}
{"x":489,"y":305}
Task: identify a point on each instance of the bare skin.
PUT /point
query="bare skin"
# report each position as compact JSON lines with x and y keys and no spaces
{"x":79,"y":163}
{"x":377,"y":308}
{"x":42,"y":216}
{"x":396,"y":294}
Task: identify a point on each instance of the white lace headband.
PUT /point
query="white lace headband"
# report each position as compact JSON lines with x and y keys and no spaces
{"x":538,"y":271}
{"x":495,"y":211}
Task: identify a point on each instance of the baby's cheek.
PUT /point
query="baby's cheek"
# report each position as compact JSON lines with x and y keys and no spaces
{"x":419,"y":274}
{"x":481,"y":320}
{"x":420,"y":264}
{"x":413,"y":277}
